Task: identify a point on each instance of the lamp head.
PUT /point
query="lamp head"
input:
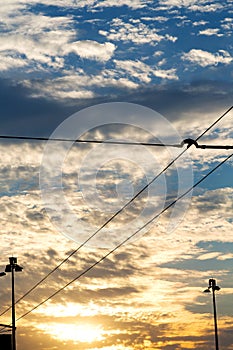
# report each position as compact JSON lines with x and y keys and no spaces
{"x":206,"y":290}
{"x":8,"y":268}
{"x":18,"y":268}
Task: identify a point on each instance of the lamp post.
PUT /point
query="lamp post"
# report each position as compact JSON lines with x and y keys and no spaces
{"x":212,"y":286}
{"x":13,"y":267}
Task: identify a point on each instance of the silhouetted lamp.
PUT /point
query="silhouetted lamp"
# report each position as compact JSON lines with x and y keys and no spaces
{"x":13,"y":266}
{"x":213,"y":287}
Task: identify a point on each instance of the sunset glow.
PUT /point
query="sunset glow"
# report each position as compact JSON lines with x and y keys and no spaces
{"x":80,"y":333}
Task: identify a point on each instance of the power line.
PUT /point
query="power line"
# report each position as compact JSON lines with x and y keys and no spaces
{"x":121,"y":209}
{"x":127,"y":239}
{"x":111,"y":142}
{"x":188,"y":141}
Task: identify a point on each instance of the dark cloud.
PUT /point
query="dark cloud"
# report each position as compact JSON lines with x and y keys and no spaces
{"x":177,"y":100}
{"x":22,"y":114}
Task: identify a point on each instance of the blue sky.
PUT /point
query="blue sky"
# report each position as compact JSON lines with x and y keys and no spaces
{"x":148,"y":70}
{"x":93,"y":49}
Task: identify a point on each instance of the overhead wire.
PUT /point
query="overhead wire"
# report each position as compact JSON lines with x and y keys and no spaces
{"x":115,"y":214}
{"x":125,"y":240}
{"x":111,"y":142}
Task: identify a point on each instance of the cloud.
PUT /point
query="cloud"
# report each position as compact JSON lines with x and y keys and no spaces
{"x":225,"y":256}
{"x":134,"y":4}
{"x":43,"y":40}
{"x":202,"y":6}
{"x":137,"y":69}
{"x":134,"y":31}
{"x":156,"y":18}
{"x":21,"y":114}
{"x":144,"y":72}
{"x":207,"y":256}
{"x":7,"y":62}
{"x":93,"y":4}
{"x":166,"y":74}
{"x":207,"y":8}
{"x":47,"y":41}
{"x":200,"y":23}
{"x":77,"y":85}
{"x":210,"y":31}
{"x":227,"y":24}
{"x":205,"y":58}
{"x":90,"y":49}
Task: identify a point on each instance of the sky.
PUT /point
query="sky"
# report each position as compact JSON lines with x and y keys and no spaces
{"x":132,"y":71}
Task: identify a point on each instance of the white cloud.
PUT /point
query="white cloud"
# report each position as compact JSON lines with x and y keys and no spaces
{"x":127,"y":74}
{"x":77,"y":84}
{"x":225,"y":256}
{"x":227,"y":24}
{"x":134,"y":4}
{"x":171,"y":38}
{"x":8,"y":62}
{"x":67,"y":87}
{"x":207,"y":256}
{"x":156,"y":18}
{"x":11,"y":7}
{"x":199,"y":23}
{"x":166,"y":74}
{"x":196,"y":5}
{"x":144,"y":72}
{"x":43,"y":39}
{"x":158,"y":53}
{"x":177,"y":3}
{"x":136,"y":69}
{"x":14,"y":5}
{"x":207,"y":8}
{"x":210,"y":31}
{"x":90,"y":49}
{"x":92,"y":4}
{"x":136,"y":32}
{"x":205,"y":58}
{"x":46,"y":41}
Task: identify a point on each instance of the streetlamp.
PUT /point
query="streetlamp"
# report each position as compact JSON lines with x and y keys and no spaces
{"x":212,"y":286}
{"x":13,"y":266}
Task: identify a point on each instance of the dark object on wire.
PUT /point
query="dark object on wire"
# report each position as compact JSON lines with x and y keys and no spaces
{"x":191,"y":142}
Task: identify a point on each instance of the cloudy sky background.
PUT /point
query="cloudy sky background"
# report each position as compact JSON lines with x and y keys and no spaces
{"x":58,"y":58}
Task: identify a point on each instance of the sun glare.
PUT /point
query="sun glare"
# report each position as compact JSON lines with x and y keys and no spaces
{"x":85,"y":333}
